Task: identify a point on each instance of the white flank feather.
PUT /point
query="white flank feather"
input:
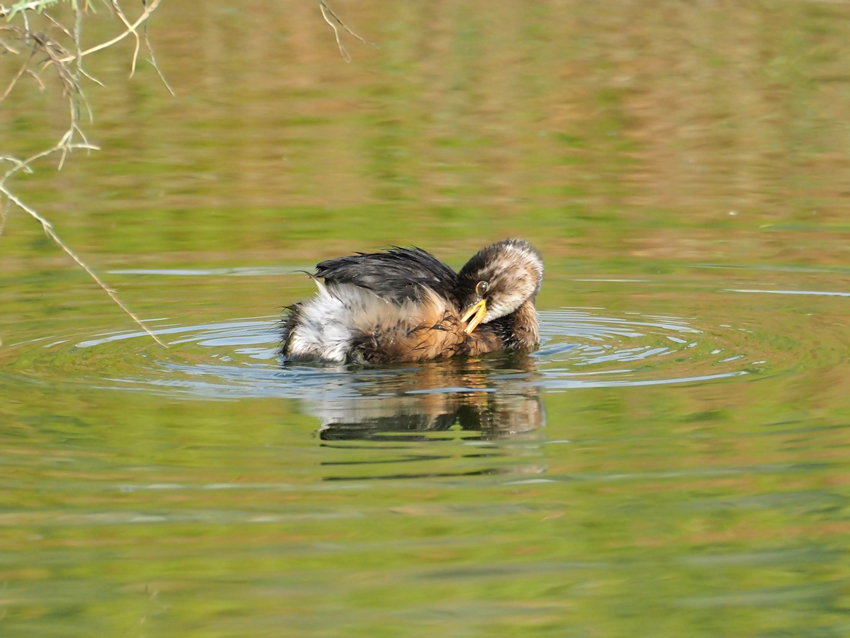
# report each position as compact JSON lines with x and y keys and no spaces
{"x":329,"y":323}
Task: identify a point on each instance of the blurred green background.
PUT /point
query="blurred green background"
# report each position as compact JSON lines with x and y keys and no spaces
{"x":660,"y":155}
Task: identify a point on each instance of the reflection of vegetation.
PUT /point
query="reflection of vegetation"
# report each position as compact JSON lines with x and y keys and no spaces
{"x":50,"y":48}
{"x":45,"y":39}
{"x":678,"y":503}
{"x":702,"y":509}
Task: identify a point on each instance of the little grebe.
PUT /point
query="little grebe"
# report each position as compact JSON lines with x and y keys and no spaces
{"x":405,"y":305}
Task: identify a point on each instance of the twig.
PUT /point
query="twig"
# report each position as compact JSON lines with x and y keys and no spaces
{"x":78,"y":34}
{"x":25,"y":16}
{"x":24,"y":165}
{"x":15,"y":79}
{"x":149,"y":9}
{"x":152,"y":60}
{"x":48,"y":229}
{"x":32,"y":73}
{"x":69,"y":69}
{"x":92,"y":78}
{"x":327,"y":11}
{"x":58,"y":24}
{"x":8,"y":48}
{"x":131,"y":28}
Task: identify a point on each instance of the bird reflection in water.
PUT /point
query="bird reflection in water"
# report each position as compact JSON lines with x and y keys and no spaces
{"x":434,"y":398}
{"x":490,"y":402}
{"x":406,"y":421}
{"x":406,"y":308}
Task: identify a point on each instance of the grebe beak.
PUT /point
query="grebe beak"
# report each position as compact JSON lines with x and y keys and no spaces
{"x":479,"y":310}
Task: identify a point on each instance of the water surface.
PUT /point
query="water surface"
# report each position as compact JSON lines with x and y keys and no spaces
{"x":671,"y":461}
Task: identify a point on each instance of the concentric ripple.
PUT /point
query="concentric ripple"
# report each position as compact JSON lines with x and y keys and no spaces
{"x":583,"y":349}
{"x":233,"y":359}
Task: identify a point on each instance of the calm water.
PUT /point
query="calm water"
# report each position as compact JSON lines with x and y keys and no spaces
{"x":671,"y":462}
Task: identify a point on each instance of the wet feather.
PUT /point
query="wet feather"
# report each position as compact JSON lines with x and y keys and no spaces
{"x":405,"y":305}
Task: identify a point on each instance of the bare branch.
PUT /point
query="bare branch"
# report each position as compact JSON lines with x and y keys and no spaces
{"x":131,"y":28}
{"x":24,"y":165}
{"x":24,"y":67}
{"x":153,"y":62}
{"x":8,"y":48}
{"x":58,"y":24}
{"x":92,"y":78}
{"x":149,"y":9}
{"x":68,"y":66}
{"x":78,"y":33}
{"x":326,"y":12}
{"x":50,"y":232}
{"x":32,"y":73}
{"x":342,"y":50}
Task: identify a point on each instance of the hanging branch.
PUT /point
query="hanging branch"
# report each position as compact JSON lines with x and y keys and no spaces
{"x":40,"y":53}
{"x":327,"y":14}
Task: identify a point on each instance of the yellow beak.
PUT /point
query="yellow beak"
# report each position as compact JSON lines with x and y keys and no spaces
{"x":479,"y":310}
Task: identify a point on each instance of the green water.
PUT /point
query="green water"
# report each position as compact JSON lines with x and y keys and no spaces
{"x":671,"y":462}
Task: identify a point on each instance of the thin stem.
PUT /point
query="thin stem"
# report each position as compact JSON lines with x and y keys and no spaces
{"x":327,"y":14}
{"x":69,"y":69}
{"x":48,"y":229}
{"x":149,"y":9}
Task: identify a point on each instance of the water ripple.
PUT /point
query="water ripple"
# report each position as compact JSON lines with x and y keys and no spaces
{"x":581,"y":348}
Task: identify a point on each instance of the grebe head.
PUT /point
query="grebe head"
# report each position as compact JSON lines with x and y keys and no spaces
{"x":498,"y":280}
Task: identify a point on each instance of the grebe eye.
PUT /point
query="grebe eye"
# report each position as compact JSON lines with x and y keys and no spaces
{"x":481,"y":288}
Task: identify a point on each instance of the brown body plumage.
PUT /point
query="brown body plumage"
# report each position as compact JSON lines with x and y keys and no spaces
{"x":405,"y":305}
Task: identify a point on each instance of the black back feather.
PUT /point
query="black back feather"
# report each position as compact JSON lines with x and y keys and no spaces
{"x":396,"y":275}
